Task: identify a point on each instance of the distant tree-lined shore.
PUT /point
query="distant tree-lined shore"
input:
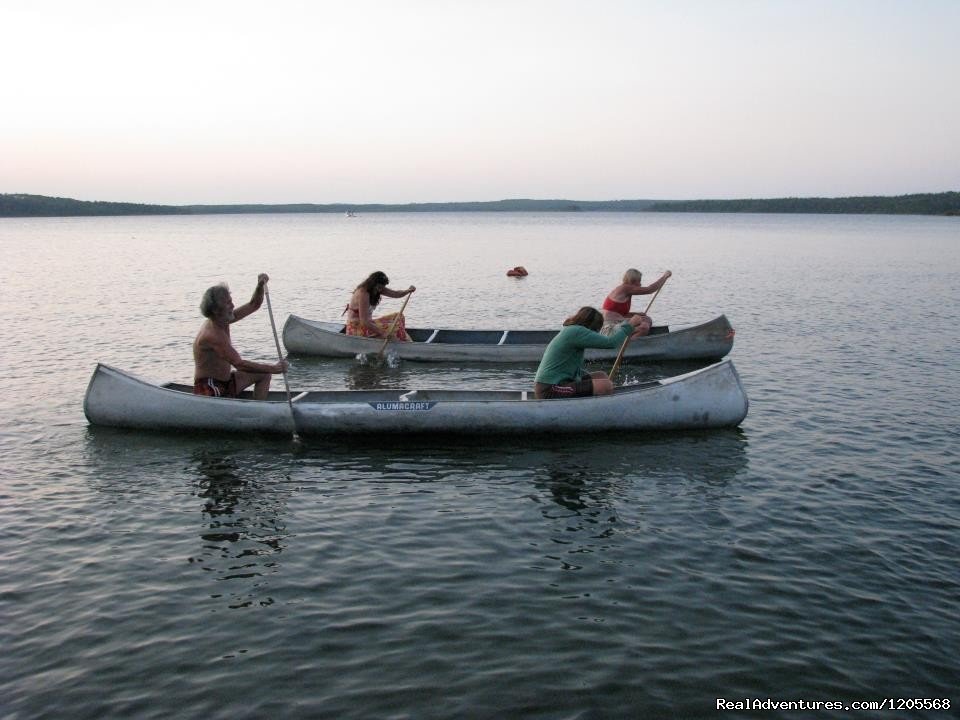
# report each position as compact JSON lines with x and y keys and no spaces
{"x":945,"y":203}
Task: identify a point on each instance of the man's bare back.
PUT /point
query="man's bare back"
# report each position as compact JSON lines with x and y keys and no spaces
{"x":211,"y":350}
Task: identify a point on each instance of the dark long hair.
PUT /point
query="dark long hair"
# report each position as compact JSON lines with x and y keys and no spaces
{"x":589,"y":317}
{"x":374,"y":279}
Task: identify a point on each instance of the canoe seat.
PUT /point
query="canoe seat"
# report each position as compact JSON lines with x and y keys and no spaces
{"x":420,"y":334}
{"x":529,"y":337}
{"x":468,"y":337}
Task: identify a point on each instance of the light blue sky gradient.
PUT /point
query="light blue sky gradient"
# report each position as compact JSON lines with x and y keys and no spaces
{"x":226,"y":102}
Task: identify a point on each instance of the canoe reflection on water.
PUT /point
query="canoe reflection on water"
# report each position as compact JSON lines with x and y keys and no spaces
{"x":227,"y":497}
{"x":577,"y":477}
{"x":245,"y":528}
{"x":371,"y":376}
{"x":250,"y":498}
{"x":232,"y":469}
{"x":590,"y":499}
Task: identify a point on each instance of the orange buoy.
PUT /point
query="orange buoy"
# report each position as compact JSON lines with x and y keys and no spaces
{"x":518,"y":271}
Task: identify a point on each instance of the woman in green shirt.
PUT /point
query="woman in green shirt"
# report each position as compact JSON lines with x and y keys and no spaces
{"x":562,"y":373}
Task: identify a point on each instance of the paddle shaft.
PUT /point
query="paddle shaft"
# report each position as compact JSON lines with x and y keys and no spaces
{"x":654,"y":297}
{"x":616,"y":363}
{"x":276,"y":340}
{"x":393,"y":325}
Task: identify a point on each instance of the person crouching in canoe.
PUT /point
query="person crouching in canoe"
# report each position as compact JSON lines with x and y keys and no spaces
{"x":616,"y":305}
{"x":366,"y":296}
{"x":214,"y":355}
{"x":562,"y":373}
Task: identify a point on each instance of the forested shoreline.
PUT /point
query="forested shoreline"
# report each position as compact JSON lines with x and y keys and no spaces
{"x":945,"y":203}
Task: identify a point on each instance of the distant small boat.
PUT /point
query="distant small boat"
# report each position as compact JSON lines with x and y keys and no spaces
{"x":712,"y":397}
{"x":350,"y":213}
{"x":711,"y":340}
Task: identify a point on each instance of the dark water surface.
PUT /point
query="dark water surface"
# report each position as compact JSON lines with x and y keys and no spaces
{"x":811,"y":554}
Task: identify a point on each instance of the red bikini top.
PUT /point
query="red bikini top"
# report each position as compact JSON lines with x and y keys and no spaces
{"x":621,"y":308}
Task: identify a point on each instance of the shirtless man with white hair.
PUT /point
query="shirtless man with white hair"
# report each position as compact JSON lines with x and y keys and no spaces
{"x":219,"y":371}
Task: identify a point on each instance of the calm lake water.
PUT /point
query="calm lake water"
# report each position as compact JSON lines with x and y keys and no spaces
{"x":812,"y":554}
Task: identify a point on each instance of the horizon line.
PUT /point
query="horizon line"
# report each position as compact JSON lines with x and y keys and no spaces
{"x":479,"y":202}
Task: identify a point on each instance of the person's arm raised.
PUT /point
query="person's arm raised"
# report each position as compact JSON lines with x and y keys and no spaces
{"x":646,"y":289}
{"x":659,"y":283}
{"x":255,"y":301}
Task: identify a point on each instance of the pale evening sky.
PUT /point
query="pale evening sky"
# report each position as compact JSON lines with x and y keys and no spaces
{"x":209,"y":101}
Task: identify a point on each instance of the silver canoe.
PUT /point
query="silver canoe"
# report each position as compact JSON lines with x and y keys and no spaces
{"x":711,"y":340}
{"x":711,"y":397}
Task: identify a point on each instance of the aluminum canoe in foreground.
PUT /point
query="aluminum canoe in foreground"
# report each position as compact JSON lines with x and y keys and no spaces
{"x":711,"y":340}
{"x":711,"y":397}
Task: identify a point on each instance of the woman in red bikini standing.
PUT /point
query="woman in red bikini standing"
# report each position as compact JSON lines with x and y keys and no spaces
{"x":616,"y":306}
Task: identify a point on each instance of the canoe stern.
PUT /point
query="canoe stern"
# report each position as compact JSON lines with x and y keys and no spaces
{"x":118,"y":399}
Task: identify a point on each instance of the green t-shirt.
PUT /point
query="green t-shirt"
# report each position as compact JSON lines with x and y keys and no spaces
{"x":563,"y":359}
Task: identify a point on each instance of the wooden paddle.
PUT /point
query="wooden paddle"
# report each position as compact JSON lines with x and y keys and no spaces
{"x":393,"y":326}
{"x":273,"y":325}
{"x":616,"y":363}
